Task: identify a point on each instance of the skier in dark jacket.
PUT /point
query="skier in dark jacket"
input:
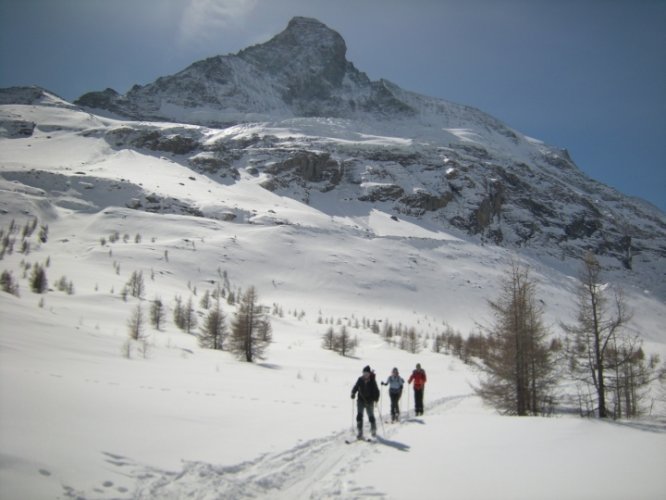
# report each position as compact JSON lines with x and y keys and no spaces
{"x":418,"y":376}
{"x":368,"y":395}
{"x":395,"y":383}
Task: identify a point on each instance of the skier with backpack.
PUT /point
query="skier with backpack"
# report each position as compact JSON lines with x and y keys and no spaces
{"x":395,"y":383}
{"x":368,"y":395}
{"x":418,"y":376}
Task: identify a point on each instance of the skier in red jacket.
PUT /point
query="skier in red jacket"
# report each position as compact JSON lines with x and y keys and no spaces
{"x":418,"y":376}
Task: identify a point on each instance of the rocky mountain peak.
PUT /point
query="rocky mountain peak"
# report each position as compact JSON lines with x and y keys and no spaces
{"x":31,"y":95}
{"x":302,"y":71}
{"x":306,"y":50}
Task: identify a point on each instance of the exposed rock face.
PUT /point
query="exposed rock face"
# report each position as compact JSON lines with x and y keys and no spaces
{"x":22,"y":95}
{"x":499,"y":200}
{"x":154,"y":139}
{"x":387,"y":192}
{"x":31,"y":96}
{"x":106,"y":99}
{"x":14,"y":129}
{"x":309,"y":58}
{"x":309,"y":167}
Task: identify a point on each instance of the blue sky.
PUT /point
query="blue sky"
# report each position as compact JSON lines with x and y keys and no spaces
{"x":586,"y":75}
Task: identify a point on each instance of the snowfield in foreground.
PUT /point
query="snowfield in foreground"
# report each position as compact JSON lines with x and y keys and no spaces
{"x":81,"y":421}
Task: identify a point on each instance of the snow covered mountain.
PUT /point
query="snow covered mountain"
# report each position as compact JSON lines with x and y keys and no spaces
{"x":299,"y":120}
{"x":343,"y":201}
{"x":305,"y":118}
{"x":302,"y":71}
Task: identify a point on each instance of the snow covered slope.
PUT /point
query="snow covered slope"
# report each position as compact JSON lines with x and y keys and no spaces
{"x":336,"y":210}
{"x":80,"y":421}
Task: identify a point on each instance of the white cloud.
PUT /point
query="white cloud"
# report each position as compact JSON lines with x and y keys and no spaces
{"x":203,"y":20}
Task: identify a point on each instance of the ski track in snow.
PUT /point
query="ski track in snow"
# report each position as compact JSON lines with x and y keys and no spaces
{"x":315,"y":469}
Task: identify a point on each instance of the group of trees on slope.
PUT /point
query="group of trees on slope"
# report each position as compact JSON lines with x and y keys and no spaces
{"x":8,"y":240}
{"x":523,"y":366}
{"x":247,"y":337}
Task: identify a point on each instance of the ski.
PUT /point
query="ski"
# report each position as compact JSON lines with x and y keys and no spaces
{"x":367,"y":440}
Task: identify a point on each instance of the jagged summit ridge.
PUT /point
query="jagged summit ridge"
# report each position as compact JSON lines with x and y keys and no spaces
{"x":302,"y":71}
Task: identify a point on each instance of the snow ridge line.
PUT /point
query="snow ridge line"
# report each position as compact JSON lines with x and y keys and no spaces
{"x":315,"y":469}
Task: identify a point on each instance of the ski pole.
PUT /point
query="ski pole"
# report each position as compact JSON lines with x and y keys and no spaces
{"x":409,"y":402}
{"x":352,"y":416}
{"x":381,"y":418}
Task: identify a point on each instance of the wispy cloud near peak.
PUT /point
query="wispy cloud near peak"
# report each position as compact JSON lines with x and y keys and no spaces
{"x":203,"y":20}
